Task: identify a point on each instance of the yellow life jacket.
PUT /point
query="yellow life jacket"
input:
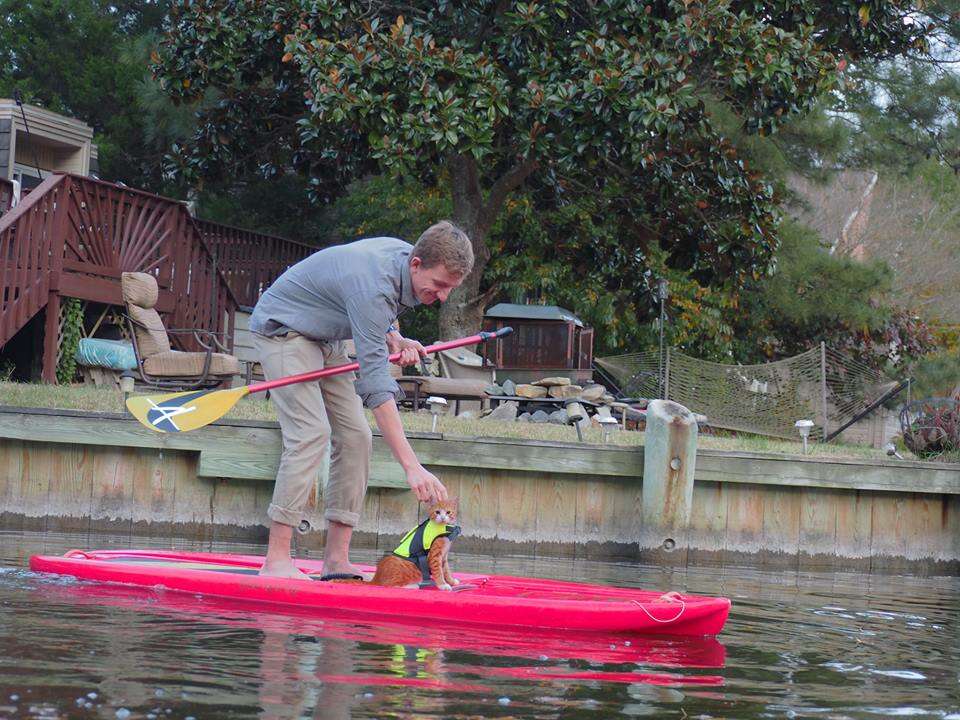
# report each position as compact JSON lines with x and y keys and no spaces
{"x":416,"y":543}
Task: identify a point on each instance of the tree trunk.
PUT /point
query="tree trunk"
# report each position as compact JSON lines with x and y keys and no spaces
{"x":462,"y":313}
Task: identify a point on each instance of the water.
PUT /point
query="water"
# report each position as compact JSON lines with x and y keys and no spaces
{"x":797,"y":645}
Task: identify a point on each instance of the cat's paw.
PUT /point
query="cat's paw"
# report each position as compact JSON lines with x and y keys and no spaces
{"x":454,"y":581}
{"x":444,"y":586}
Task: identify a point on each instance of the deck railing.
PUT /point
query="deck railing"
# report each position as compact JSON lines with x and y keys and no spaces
{"x":74,"y":236}
{"x":250,"y":261}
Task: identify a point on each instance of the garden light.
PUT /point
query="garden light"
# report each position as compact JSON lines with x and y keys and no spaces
{"x":608,"y":424}
{"x":438,"y":406}
{"x":803,"y":426}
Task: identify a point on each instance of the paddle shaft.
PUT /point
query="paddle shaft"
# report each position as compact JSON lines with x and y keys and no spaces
{"x":338,"y":369}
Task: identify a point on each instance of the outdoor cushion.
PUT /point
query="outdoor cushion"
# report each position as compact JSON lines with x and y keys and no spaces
{"x":113,"y":354}
{"x":174,"y":363}
{"x":139,"y":289}
{"x":151,"y":335}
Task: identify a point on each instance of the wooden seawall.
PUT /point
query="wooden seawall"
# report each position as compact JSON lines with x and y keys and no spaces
{"x":78,"y":471}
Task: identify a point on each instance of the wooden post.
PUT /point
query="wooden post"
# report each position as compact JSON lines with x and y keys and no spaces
{"x":52,"y":264}
{"x":669,"y":461}
{"x":51,"y":339}
{"x":823,"y":389}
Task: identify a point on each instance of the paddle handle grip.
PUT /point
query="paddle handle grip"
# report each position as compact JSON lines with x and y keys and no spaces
{"x":350,"y":367}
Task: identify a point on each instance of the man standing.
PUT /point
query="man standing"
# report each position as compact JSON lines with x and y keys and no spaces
{"x":300,"y":324}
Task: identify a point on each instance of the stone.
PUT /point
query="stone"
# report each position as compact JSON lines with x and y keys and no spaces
{"x":593,"y":393}
{"x":603,"y":411}
{"x":494,"y":390}
{"x":608,"y":399}
{"x":564,"y":391}
{"x":509,"y":387}
{"x":551,"y":381}
{"x":540,"y":417}
{"x":505,"y":411}
{"x":531,"y":391}
{"x":523,"y":417}
{"x":559,"y":417}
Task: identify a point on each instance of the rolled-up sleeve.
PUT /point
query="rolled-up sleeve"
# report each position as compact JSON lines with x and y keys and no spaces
{"x":369,"y":319}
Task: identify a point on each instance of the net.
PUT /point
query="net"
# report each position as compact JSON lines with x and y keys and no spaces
{"x":821,"y":385}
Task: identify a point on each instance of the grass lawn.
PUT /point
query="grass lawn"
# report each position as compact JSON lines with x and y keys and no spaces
{"x":103,"y":399}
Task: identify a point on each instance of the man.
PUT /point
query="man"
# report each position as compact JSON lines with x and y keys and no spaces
{"x":300,"y":324}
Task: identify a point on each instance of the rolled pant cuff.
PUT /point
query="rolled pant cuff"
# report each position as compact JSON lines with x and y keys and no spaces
{"x":284,"y":516}
{"x":342,"y":516}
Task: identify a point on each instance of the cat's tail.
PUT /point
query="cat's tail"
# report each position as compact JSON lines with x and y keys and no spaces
{"x":342,"y":578}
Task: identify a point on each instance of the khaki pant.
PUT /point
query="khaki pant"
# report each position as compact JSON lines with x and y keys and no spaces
{"x":311,"y":415}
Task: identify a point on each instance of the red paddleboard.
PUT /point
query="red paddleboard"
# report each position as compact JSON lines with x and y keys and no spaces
{"x":491,"y":600}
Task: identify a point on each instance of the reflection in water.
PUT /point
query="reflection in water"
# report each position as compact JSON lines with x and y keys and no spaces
{"x":802,"y":645}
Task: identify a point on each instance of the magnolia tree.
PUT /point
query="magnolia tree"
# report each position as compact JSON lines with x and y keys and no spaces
{"x":482,"y":97}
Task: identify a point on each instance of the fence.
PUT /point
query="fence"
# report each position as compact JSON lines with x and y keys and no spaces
{"x":821,"y":385}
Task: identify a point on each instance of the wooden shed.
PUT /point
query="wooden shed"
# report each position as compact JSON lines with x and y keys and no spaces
{"x":547,"y":340}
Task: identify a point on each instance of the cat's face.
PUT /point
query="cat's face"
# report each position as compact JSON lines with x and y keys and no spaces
{"x":444,"y":512}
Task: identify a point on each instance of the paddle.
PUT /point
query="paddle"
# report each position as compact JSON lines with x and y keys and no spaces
{"x":185,"y":411}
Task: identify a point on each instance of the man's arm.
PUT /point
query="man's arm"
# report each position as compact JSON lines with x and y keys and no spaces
{"x":379,"y":391}
{"x":424,"y":484}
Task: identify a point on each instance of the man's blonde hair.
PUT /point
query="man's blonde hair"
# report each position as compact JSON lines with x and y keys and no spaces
{"x":443,"y":243}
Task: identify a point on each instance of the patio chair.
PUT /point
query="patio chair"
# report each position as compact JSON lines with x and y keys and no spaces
{"x":157,"y":363}
{"x":465,"y":377}
{"x":418,"y":388}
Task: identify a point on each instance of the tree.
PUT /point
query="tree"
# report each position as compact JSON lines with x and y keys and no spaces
{"x":815,"y":296}
{"x":78,"y":57}
{"x":498,"y":93}
{"x":914,"y":226}
{"x":904,"y":110}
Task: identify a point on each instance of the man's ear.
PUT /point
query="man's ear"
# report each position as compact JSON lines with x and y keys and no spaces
{"x":415,"y":263}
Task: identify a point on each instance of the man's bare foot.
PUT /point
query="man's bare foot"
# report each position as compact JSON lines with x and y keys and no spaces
{"x":283,"y":570}
{"x":329,"y":568}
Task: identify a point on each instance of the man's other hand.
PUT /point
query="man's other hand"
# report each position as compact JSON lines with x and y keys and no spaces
{"x":425,"y":485}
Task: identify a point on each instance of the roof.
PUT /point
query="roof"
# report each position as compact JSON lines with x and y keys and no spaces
{"x":532,"y":312}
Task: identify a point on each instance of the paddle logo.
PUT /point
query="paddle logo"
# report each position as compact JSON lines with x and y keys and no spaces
{"x":162,"y":416}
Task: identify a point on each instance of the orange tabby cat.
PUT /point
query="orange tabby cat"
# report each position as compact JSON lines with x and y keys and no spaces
{"x":422,"y":554}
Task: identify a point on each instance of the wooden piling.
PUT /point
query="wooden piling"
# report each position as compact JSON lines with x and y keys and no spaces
{"x":669,"y":462}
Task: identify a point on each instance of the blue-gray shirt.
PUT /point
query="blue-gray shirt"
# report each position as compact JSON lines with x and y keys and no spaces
{"x":341,"y":292}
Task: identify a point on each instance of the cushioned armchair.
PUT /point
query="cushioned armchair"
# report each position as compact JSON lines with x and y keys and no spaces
{"x":157,"y":363}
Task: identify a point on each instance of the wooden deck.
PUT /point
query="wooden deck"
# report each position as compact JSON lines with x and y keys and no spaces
{"x":73,"y":236}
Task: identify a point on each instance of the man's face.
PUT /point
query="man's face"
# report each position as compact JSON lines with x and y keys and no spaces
{"x":433,"y":283}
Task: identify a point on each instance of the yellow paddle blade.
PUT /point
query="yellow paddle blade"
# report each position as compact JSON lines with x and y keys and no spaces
{"x":183,"y":411}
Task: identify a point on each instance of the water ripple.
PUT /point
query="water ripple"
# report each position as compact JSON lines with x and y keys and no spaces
{"x":830,"y":645}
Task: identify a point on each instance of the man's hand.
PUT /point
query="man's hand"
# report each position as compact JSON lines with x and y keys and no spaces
{"x":410,"y":350}
{"x":425,"y":485}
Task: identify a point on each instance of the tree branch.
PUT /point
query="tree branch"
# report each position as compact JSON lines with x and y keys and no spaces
{"x":504,"y":185}
{"x":483,"y":298}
